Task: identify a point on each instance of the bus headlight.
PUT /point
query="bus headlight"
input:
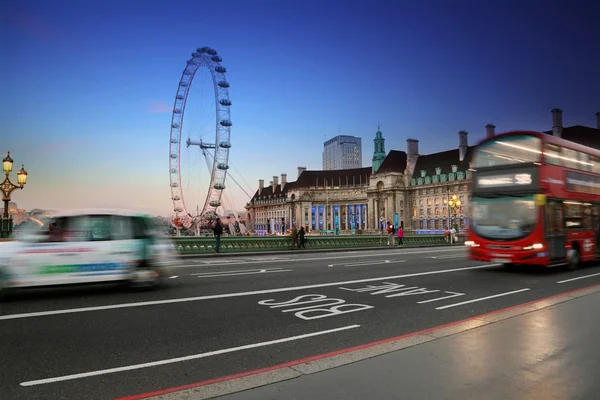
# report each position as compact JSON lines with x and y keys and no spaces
{"x":535,"y":246}
{"x":471,"y":243}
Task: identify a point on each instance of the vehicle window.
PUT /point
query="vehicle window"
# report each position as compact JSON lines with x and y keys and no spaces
{"x":555,"y":216}
{"x":141,"y":230}
{"x":100,"y":227}
{"x":508,"y":150}
{"x":55,"y":231}
{"x":585,"y":163}
{"x":77,"y":229}
{"x":573,"y":214}
{"x":552,"y":154}
{"x":89,"y":228}
{"x":121,"y":228}
{"x":587,"y":216}
{"x":595,"y":161}
{"x":570,"y":158}
{"x":508,"y":218}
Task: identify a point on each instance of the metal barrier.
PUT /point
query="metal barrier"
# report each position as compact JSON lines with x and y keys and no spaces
{"x":206,"y":245}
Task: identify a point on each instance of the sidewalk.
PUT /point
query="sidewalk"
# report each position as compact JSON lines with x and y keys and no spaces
{"x":542,"y":353}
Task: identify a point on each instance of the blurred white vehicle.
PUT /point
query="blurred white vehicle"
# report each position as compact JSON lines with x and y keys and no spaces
{"x":88,"y":246}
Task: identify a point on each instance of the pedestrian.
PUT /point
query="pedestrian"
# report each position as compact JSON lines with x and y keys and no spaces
{"x":218,"y":231}
{"x":446,"y":235}
{"x":400,"y":236}
{"x":294,"y":237}
{"x":301,"y":234}
{"x":390,"y":231}
{"x":452,"y":235}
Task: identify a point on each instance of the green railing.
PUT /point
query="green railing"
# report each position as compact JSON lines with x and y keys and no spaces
{"x":206,"y":245}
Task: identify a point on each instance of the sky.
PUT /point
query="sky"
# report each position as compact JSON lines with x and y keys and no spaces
{"x":88,"y":86}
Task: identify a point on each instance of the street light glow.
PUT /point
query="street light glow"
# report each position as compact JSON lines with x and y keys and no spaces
{"x":22,"y":176}
{"x":7,"y":163}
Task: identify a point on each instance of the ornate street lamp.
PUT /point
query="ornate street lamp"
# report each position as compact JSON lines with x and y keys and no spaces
{"x":7,"y":187}
{"x":454,"y":204}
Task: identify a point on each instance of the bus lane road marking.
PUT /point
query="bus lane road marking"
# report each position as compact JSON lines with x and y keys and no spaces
{"x":391,"y":289}
{"x":319,"y":306}
{"x":182,"y":359}
{"x":232,"y":295}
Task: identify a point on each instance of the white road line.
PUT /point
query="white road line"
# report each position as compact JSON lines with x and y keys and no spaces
{"x":230,"y":295}
{"x":448,"y":256}
{"x":454,"y":294}
{"x":181,"y":359}
{"x":174,"y":276}
{"x":578,"y":278}
{"x":377,"y":262}
{"x":481,"y":299}
{"x":234,"y":272}
{"x":262,"y":271}
{"x":229,"y":262}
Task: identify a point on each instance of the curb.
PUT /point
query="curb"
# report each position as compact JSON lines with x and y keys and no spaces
{"x":266,"y":376}
{"x":307,"y":251}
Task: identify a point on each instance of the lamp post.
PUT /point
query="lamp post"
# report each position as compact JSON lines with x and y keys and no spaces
{"x":380,"y":211}
{"x":454,"y":204}
{"x":7,"y":187}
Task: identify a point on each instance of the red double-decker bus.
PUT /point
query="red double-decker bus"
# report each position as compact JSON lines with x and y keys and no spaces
{"x":535,"y":200}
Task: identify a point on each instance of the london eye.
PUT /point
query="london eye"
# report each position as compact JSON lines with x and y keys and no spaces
{"x":215,"y":151}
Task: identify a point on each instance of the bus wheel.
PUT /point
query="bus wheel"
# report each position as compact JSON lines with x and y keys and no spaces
{"x":573,"y":258}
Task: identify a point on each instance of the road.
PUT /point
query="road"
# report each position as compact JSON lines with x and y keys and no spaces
{"x":227,"y":315}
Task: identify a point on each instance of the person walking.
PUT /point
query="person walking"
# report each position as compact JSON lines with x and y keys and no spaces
{"x":400,"y":236}
{"x":218,"y":231}
{"x":301,"y":234}
{"x":294,"y":237}
{"x":390,"y":231}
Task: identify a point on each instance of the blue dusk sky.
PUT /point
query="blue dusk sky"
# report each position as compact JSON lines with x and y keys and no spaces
{"x":88,"y":86}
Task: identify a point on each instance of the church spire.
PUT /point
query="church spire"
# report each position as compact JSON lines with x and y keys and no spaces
{"x":379,"y":149}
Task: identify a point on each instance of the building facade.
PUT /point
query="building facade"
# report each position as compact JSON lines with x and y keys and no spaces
{"x":342,"y":152}
{"x":18,"y":215}
{"x":404,"y":187}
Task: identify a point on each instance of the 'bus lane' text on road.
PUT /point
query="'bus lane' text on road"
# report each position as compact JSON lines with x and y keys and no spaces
{"x":314,"y":306}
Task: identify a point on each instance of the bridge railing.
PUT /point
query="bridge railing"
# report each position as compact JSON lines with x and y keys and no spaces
{"x":206,"y":245}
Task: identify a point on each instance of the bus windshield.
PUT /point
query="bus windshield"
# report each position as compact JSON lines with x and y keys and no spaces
{"x":505,"y":218}
{"x":508,"y":150}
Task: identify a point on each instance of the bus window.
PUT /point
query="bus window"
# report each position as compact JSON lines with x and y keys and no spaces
{"x":596,"y":224}
{"x":508,"y":150}
{"x":595,"y":161}
{"x":585,"y":164}
{"x":554,"y":212}
{"x":570,"y":158}
{"x":587,"y":216}
{"x":573,"y":214}
{"x":552,"y":154}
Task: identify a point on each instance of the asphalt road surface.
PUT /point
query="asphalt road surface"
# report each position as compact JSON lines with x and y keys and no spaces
{"x":228,"y":315}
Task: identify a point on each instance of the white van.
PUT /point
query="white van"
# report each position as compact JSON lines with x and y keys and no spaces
{"x":86,"y":247}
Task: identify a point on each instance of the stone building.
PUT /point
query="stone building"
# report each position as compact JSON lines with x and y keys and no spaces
{"x":318,"y":200}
